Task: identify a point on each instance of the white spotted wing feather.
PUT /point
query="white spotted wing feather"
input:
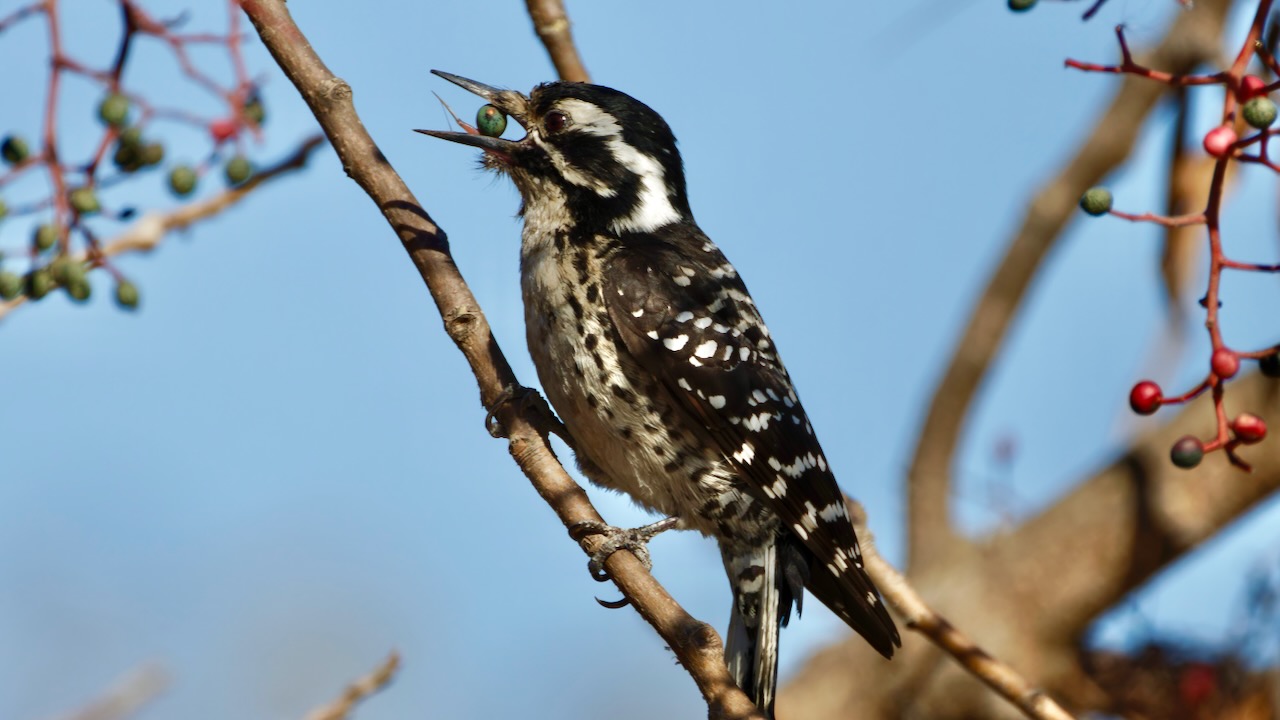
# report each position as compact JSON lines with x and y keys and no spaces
{"x":686,"y":317}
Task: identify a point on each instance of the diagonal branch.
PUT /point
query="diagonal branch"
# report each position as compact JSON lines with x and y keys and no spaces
{"x":1030,"y":594}
{"x":1191,"y":40}
{"x":553,"y":28}
{"x":1135,"y":517}
{"x":353,"y":694}
{"x":126,"y":697}
{"x":916,"y":613}
{"x":695,"y":644}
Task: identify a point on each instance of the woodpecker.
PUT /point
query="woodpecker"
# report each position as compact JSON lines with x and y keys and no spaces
{"x":656,"y":359}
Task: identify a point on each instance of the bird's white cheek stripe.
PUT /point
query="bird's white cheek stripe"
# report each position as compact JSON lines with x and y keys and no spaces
{"x":653,"y":206}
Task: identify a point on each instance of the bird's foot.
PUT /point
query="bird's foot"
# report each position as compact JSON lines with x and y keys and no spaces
{"x":634,"y":539}
{"x":524,"y":398}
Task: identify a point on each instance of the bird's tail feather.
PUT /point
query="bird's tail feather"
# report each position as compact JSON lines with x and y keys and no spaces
{"x":763,"y":592}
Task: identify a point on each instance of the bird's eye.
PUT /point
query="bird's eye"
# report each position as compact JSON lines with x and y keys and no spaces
{"x":555,"y":121}
{"x":490,"y":121}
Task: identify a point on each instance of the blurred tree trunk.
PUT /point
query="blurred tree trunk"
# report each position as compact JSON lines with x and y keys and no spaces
{"x":1028,"y":595}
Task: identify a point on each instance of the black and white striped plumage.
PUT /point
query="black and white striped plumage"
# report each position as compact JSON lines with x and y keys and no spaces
{"x":655,"y":357}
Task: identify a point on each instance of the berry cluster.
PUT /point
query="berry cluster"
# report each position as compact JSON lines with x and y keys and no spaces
{"x":65,"y":246}
{"x":1242,"y":135}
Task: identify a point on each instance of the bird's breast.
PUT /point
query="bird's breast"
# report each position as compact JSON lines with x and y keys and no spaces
{"x":624,"y":423}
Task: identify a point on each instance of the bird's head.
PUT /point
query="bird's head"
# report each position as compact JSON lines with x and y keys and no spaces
{"x":601,"y":157}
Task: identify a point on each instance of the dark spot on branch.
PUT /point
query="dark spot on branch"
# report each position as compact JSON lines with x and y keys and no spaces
{"x":460,"y":324}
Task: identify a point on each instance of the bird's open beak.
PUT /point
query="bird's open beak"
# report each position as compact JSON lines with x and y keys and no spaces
{"x":509,"y":102}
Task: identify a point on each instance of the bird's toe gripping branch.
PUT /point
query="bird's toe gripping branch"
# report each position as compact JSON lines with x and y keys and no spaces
{"x":525,"y":398}
{"x":634,"y":539}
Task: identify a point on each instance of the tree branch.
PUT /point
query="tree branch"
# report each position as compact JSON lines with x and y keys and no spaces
{"x":918,"y":616}
{"x":376,"y":680}
{"x":1114,"y":531}
{"x":126,"y":697}
{"x":553,"y":28}
{"x":1031,"y":593}
{"x":1191,"y":40}
{"x":695,"y":644}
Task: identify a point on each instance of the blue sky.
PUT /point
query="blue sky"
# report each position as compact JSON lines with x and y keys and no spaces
{"x":276,"y":470}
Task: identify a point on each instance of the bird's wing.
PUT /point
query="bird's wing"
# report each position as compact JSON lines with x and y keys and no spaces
{"x":685,"y":316}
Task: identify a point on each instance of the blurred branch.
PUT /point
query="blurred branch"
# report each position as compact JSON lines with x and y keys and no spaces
{"x":554,"y":30}
{"x":377,"y":679}
{"x":126,"y":697}
{"x":1135,"y":517}
{"x":695,"y":644}
{"x":904,"y":599}
{"x":145,"y":234}
{"x":1032,"y":593}
{"x":1192,"y":39}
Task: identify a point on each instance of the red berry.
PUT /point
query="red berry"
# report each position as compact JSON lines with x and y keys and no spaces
{"x":1250,"y":87}
{"x":1145,"y":397}
{"x":227,"y":128}
{"x":1224,"y":363}
{"x":1249,"y":428}
{"x":1218,"y":141}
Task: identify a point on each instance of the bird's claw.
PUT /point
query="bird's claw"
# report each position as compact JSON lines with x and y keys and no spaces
{"x":525,"y":398}
{"x":634,"y":539}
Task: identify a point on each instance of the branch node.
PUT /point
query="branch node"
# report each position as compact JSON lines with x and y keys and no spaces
{"x":460,"y":324}
{"x":335,"y":89}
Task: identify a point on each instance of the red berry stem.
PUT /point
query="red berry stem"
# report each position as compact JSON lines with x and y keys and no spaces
{"x":1165,"y":220}
{"x":1129,"y":67}
{"x":1225,"y":145}
{"x":1189,"y":395}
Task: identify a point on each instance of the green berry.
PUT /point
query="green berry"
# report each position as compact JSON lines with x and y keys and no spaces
{"x":1096,"y":201}
{"x":10,"y":285}
{"x":127,"y":295}
{"x":1260,"y":112}
{"x":84,"y":200}
{"x":152,"y":154}
{"x":79,"y":291}
{"x":130,"y":136}
{"x":182,"y":180}
{"x":128,"y":157}
{"x":130,"y":153}
{"x":253,"y":110}
{"x":45,"y":236}
{"x":238,"y":170}
{"x":1187,"y":452}
{"x":67,"y":271}
{"x":490,"y":121}
{"x":1021,"y":5}
{"x":14,"y":149}
{"x":40,"y":283}
{"x":114,"y":110}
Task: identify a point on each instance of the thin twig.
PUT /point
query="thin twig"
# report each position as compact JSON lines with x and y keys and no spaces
{"x":918,"y":616}
{"x":377,"y":679}
{"x":151,"y":229}
{"x":553,"y":28}
{"x":126,"y":696}
{"x":20,"y":14}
